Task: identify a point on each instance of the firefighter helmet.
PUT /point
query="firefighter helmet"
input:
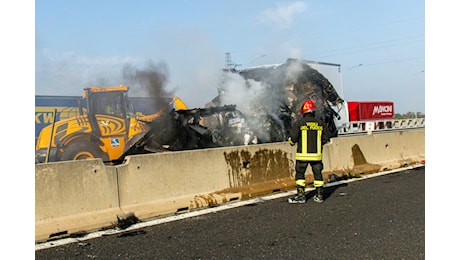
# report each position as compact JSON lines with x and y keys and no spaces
{"x":308,"y":106}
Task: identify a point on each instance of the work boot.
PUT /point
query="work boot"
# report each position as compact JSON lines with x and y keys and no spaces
{"x":300,"y":197}
{"x":319,"y":195}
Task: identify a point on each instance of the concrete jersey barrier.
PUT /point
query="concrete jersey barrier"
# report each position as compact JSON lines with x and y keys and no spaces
{"x":151,"y":185}
{"x":371,"y":153}
{"x":74,"y":196}
{"x":164,"y":183}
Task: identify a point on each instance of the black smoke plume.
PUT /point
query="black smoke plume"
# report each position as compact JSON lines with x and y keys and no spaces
{"x":153,"y":80}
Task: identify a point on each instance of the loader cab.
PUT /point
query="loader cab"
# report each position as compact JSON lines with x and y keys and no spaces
{"x":108,"y":101}
{"x":109,"y":110}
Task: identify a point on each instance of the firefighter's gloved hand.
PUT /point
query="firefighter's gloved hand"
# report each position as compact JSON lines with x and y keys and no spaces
{"x":291,"y":142}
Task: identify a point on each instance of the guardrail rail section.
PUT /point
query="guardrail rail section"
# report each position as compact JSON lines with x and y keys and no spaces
{"x":381,"y":125}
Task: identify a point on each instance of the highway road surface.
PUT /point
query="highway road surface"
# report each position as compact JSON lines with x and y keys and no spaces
{"x":376,"y":218}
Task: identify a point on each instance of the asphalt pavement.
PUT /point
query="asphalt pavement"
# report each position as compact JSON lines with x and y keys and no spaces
{"x":376,"y":218}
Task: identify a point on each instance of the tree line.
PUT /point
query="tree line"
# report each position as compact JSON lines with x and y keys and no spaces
{"x":409,"y":115}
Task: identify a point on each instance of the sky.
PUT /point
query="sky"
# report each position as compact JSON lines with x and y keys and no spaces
{"x":87,"y":43}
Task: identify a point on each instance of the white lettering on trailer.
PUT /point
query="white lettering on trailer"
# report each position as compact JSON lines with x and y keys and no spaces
{"x":382,"y":110}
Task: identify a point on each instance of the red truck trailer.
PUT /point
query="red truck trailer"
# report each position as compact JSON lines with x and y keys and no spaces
{"x":370,"y":110}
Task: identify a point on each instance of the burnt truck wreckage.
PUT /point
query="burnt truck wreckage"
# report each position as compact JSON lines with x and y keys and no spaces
{"x":273,"y":95}
{"x":178,"y":130}
{"x":267,"y":102}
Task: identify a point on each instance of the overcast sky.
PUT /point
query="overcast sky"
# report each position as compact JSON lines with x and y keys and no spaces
{"x":87,"y":43}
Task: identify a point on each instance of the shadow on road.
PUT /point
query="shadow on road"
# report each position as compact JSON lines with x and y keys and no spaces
{"x":327,"y":191}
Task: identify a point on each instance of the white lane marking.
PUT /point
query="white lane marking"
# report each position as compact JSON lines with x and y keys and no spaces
{"x":200,"y":212}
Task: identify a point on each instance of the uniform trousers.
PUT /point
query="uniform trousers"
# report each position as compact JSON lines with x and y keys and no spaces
{"x":301,"y":167}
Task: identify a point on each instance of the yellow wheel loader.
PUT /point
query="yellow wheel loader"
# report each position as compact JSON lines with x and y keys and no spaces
{"x":109,"y":127}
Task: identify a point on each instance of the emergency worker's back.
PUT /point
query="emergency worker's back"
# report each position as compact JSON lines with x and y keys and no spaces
{"x":308,"y":131}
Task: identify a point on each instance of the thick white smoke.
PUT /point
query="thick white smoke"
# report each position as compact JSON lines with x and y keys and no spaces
{"x":245,"y":94}
{"x":260,"y":98}
{"x":294,"y":70}
{"x":267,"y":93}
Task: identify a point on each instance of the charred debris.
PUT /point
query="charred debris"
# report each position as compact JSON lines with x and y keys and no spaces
{"x":178,"y":130}
{"x":271,"y":100}
{"x":254,"y":105}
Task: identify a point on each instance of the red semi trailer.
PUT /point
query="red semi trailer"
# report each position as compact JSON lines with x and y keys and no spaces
{"x":370,"y":110}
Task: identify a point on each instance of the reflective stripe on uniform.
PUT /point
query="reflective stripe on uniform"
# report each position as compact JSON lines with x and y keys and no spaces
{"x":318,"y":183}
{"x":304,"y":142}
{"x":304,"y":155}
{"x":318,"y":141}
{"x":308,"y":156}
{"x":300,"y":182}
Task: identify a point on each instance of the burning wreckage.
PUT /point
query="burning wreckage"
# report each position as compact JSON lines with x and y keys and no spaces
{"x":268,"y":99}
{"x":264,"y":100}
{"x":179,"y":130}
{"x":254,"y":105}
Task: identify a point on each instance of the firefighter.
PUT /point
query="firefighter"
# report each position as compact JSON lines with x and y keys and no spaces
{"x":310,"y":135}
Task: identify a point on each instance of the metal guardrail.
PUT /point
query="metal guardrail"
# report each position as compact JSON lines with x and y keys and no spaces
{"x":381,"y":125}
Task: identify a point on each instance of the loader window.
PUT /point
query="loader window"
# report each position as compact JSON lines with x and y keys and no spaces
{"x":108,"y":103}
{"x":130,"y":111}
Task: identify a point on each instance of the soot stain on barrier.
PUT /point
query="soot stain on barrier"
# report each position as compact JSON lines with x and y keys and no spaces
{"x":358,"y":156}
{"x":245,"y":168}
{"x":361,"y":166}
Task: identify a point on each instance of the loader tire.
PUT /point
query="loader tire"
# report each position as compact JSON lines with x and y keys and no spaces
{"x":83,"y":150}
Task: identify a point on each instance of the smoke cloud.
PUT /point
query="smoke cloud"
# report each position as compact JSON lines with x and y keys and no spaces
{"x":283,"y":15}
{"x":251,"y":88}
{"x":151,"y":81}
{"x":259,"y":95}
{"x":245,"y":94}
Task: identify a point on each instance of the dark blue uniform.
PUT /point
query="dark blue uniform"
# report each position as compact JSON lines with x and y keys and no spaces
{"x":309,"y":133}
